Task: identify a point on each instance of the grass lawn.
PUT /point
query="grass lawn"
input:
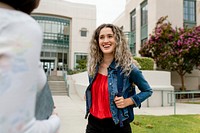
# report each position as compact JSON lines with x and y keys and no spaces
{"x":166,"y":124}
{"x":192,"y":102}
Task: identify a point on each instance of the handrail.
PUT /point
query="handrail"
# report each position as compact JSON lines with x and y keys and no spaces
{"x":182,"y":92}
{"x":66,"y":83}
{"x":171,"y":97}
{"x":48,"y":72}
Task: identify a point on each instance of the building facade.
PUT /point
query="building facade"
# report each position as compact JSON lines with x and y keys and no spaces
{"x":67,"y":29}
{"x":139,"y":19}
{"x":140,"y":16}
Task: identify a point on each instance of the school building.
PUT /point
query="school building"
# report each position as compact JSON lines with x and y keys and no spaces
{"x":67,"y":28}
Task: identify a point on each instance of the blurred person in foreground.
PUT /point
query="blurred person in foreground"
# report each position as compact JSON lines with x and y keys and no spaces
{"x":20,"y":46}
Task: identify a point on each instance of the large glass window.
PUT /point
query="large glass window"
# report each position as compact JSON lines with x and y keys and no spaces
{"x":144,"y":21}
{"x":189,"y":12}
{"x":56,"y":30}
{"x":144,"y":13}
{"x":133,"y":20}
{"x":132,"y":35}
{"x":56,"y":40}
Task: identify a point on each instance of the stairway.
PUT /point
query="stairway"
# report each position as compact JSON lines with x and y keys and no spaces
{"x":57,"y":85}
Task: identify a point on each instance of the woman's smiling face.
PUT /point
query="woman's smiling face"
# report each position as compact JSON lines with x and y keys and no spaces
{"x":107,"y":41}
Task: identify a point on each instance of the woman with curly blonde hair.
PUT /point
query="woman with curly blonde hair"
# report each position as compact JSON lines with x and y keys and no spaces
{"x":111,"y":95}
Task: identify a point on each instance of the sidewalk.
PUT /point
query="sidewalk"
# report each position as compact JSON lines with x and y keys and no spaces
{"x":71,"y":110}
{"x":71,"y":113}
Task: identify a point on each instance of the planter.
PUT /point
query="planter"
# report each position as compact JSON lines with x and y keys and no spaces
{"x":160,"y":82}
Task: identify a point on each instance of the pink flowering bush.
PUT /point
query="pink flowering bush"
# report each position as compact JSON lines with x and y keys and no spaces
{"x":174,"y":49}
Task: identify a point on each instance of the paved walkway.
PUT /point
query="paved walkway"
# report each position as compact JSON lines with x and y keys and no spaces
{"x":72,"y":111}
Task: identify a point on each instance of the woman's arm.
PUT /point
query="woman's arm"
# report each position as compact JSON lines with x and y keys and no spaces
{"x":138,"y":79}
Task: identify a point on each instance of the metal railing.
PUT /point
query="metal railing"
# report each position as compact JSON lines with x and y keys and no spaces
{"x":190,"y":95}
{"x":48,"y":72}
{"x":173,"y":96}
{"x":66,"y":83}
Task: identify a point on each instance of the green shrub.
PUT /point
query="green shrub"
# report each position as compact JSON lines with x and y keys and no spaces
{"x":145,"y":63}
{"x":75,"y":71}
{"x":81,"y":67}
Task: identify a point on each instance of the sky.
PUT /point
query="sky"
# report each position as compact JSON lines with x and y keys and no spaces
{"x":107,"y":10}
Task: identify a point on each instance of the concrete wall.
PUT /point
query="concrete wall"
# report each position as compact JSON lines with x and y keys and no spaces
{"x":192,"y":81}
{"x":78,"y":84}
{"x":160,"y":81}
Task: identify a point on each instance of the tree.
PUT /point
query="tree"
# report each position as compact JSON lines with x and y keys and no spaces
{"x":174,"y":49}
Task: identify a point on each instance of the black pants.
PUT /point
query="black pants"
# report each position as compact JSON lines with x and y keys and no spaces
{"x":107,"y":125}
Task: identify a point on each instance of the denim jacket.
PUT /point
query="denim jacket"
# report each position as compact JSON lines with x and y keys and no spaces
{"x":129,"y":82}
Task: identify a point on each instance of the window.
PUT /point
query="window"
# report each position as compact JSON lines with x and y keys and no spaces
{"x":84,"y":32}
{"x":132,"y":34}
{"x":47,"y":54}
{"x":144,"y":13}
{"x":144,"y":23}
{"x":133,"y":20}
{"x":56,"y":40}
{"x":56,"y":30}
{"x":189,"y":10}
{"x":190,"y":13}
{"x":78,"y":57}
{"x":53,"y":54}
{"x":132,"y":49}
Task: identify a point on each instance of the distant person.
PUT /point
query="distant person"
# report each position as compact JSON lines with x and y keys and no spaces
{"x":111,"y":95}
{"x":20,"y":46}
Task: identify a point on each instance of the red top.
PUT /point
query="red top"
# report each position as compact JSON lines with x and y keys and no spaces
{"x":100,"y":98}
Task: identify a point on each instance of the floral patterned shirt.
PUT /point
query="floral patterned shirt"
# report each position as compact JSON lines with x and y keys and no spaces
{"x":20,"y":45}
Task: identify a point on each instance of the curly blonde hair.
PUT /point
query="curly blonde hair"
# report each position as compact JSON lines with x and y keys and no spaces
{"x":122,"y":54}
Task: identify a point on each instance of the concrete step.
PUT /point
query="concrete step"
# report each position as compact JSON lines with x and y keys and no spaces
{"x":55,"y":78}
{"x":59,"y":93}
{"x":58,"y":88}
{"x":57,"y":85}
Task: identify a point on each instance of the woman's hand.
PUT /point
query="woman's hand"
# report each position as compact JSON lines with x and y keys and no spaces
{"x":122,"y":103}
